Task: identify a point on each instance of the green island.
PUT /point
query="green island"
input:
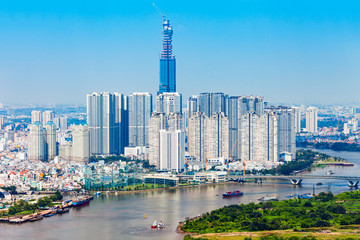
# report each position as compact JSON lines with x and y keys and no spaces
{"x":324,"y":216}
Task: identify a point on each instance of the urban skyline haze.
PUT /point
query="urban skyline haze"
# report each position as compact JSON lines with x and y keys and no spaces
{"x":301,"y":52}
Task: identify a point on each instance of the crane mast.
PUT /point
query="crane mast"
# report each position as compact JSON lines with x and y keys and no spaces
{"x":162,"y":15}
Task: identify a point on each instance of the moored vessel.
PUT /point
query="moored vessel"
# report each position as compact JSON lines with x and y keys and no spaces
{"x":233,"y":193}
{"x":50,"y":214}
{"x":80,"y":201}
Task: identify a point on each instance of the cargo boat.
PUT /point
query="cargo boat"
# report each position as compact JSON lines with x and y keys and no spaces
{"x":233,"y":194}
{"x":78,"y":202}
{"x":50,"y":214}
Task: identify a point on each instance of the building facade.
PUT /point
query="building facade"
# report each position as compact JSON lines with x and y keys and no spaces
{"x":196,"y":136}
{"x":80,"y":147}
{"x":140,"y":109}
{"x":172,"y":150}
{"x":167,"y":61}
{"x":287,"y":131}
{"x":48,"y":116}
{"x":36,"y":116}
{"x":312,"y":119}
{"x":210,"y":103}
{"x":50,"y":140}
{"x":169,"y":102}
{"x":161,"y":121}
{"x":101,"y":122}
{"x":297,"y":113}
{"x":37,"y":148}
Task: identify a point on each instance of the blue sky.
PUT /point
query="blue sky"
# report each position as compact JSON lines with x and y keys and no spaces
{"x":296,"y":52}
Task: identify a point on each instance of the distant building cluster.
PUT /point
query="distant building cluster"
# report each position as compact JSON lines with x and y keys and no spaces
{"x":48,"y":140}
{"x":214,"y":126}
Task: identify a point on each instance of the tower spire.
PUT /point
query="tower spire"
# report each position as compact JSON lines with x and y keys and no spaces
{"x":167,"y":59}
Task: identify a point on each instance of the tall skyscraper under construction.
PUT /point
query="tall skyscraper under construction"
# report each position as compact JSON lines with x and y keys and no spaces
{"x":167,"y":61}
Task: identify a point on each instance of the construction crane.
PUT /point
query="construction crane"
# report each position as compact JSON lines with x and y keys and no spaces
{"x":244,"y":168}
{"x":227,"y":160}
{"x":185,"y":160}
{"x":162,"y":15}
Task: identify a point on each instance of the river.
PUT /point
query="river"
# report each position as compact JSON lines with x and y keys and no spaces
{"x":122,"y":216}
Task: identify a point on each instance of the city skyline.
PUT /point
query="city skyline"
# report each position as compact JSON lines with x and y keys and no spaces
{"x":303,"y":54}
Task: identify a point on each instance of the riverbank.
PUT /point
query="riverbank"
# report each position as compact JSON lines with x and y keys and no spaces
{"x":22,"y":211}
{"x":321,"y":212}
{"x":345,"y":164}
{"x":161,"y":189}
{"x":337,"y":146}
{"x":319,"y":233}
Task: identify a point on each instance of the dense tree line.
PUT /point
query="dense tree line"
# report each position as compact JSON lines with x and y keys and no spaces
{"x":337,"y":146}
{"x":324,"y":210}
{"x":10,"y":189}
{"x":304,"y":159}
{"x":114,"y":158}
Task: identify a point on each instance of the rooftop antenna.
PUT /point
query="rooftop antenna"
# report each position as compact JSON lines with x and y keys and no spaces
{"x":162,"y":15}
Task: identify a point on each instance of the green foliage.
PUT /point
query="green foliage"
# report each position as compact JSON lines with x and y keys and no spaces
{"x":43,"y":202}
{"x":114,"y":158}
{"x":276,"y":237}
{"x":10,"y":189}
{"x":324,"y":210}
{"x":56,"y":197}
{"x":304,"y":159}
{"x":325,"y":196}
{"x":337,"y":146}
{"x":21,"y":206}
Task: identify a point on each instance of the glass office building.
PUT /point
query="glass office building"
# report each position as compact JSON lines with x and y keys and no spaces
{"x":167,"y":61}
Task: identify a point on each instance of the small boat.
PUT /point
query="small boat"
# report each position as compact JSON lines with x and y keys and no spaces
{"x":291,"y":195}
{"x":319,"y":183}
{"x":157,"y":225}
{"x":36,"y":218}
{"x":98,"y":193}
{"x":62,"y":210}
{"x":50,"y":214}
{"x":233,"y":193}
{"x":330,"y":172}
{"x":306,"y":196}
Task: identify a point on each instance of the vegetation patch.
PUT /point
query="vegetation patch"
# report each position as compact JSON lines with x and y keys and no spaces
{"x":304,"y":160}
{"x":23,"y":207}
{"x":321,"y":212}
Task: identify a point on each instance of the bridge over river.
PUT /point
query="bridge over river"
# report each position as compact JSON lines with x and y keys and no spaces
{"x":297,"y":179}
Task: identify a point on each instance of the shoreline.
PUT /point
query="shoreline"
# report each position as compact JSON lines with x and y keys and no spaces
{"x":348,"y":229}
{"x":160,"y":189}
{"x":40,"y":213}
{"x":319,"y":233}
{"x":345,"y":164}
